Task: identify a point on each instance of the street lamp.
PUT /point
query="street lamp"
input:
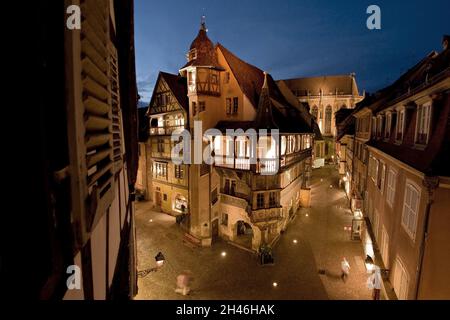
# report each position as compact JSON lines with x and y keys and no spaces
{"x":159,"y":258}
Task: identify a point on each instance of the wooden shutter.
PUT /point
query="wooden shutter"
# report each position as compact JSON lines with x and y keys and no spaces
{"x":117,"y":129}
{"x":91,"y":82}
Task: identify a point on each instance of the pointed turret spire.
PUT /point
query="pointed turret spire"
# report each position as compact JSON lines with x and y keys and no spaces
{"x":264,"y":117}
{"x":203,"y":23}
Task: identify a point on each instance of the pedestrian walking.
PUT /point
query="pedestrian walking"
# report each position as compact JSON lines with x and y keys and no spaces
{"x":345,"y":267}
{"x":183,"y":281}
{"x":374,"y":283}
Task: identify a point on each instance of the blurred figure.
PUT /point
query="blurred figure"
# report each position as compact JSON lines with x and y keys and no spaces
{"x":345,"y":267}
{"x":183,"y":281}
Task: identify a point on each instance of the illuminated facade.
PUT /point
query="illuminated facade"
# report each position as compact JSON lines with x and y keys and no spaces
{"x":400,"y":179}
{"x":248,"y":203}
{"x":325,"y":96}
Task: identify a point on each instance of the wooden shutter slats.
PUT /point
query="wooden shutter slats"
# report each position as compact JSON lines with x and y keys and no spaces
{"x":95,"y":38}
{"x":115,"y":105}
{"x":88,"y":50}
{"x":94,"y":72}
{"x":94,"y":178}
{"x":95,"y":158}
{"x":95,"y":106}
{"x":94,"y":123}
{"x":95,"y":9}
{"x":97,"y":140}
{"x":95,"y":89}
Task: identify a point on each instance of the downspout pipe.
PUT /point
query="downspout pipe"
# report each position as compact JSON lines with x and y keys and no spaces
{"x":431,"y":183}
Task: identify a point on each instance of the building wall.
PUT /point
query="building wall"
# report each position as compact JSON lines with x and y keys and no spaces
{"x":435,"y":280}
{"x":401,"y":245}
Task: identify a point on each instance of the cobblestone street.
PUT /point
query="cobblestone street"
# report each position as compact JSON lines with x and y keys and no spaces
{"x":321,"y":244}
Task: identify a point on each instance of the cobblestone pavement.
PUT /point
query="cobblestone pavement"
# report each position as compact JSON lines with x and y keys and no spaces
{"x":321,"y":244}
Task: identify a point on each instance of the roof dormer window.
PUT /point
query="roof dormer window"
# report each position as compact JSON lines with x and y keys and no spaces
{"x":400,"y":125}
{"x":192,"y":55}
{"x":423,"y":123}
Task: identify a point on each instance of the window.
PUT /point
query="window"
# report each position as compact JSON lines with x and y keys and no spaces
{"x":328,"y":116}
{"x":374,"y":126}
{"x":161,"y":145}
{"x":390,"y":190}
{"x":382,"y":177}
{"x":410,"y":209}
{"x":214,"y":197}
{"x":387,"y":131}
{"x":260,"y":200}
{"x":214,"y":79}
{"x":227,"y":77}
{"x":233,"y":188}
{"x":226,"y":188}
{"x":228,"y":106}
{"x":376,"y":223}
{"x":401,"y":280}
{"x":165,"y":197}
{"x":384,"y":248}
{"x":179,"y":172}
{"x":400,"y":124}
{"x":374,"y":170}
{"x":194,"y":108}
{"x":224,"y":219}
{"x":273,"y":199}
{"x":191,"y":81}
{"x":235,"y":105}
{"x":201,"y":106}
{"x":380,"y":126}
{"x":160,"y":170}
{"x":423,"y":123}
{"x":315,"y":112}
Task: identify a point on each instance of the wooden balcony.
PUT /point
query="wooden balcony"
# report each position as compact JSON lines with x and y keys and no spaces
{"x":262,"y":166}
{"x":289,"y":159}
{"x":164,"y":131}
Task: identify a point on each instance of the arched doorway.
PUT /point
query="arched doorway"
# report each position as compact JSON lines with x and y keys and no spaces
{"x":243,"y":234}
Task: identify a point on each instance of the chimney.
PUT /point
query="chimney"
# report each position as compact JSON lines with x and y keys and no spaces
{"x":445,"y":41}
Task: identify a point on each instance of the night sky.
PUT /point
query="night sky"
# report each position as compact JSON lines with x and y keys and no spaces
{"x":292,"y":38}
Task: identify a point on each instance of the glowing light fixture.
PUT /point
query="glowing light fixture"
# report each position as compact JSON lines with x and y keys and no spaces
{"x":159,"y":259}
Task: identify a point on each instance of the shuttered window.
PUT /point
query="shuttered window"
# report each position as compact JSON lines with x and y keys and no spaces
{"x":95,"y":131}
{"x":117,"y":128}
{"x":410,"y":209}
{"x":390,"y":190}
{"x":401,"y":280}
{"x":96,"y":96}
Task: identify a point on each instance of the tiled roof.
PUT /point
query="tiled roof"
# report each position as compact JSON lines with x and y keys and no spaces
{"x":205,"y":52}
{"x":342,"y":84}
{"x":435,"y":157}
{"x":178,"y":86}
{"x":249,"y":77}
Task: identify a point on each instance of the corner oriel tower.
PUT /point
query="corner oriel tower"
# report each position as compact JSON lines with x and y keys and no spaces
{"x":203,"y":73}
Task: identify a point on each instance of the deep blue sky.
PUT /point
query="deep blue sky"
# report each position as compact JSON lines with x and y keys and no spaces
{"x":292,"y":38}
